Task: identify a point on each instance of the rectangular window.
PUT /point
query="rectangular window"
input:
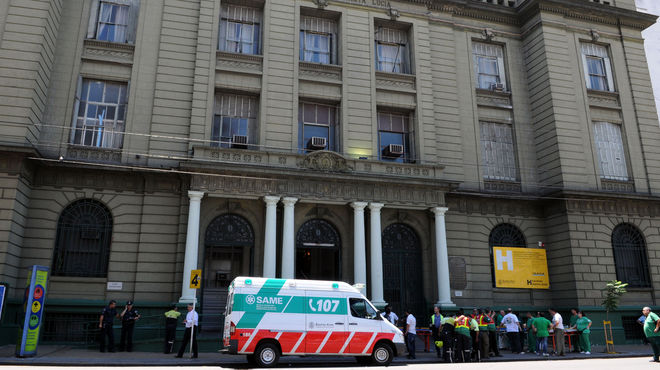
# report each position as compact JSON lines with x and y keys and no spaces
{"x":392,"y":50}
{"x":498,"y":152}
{"x":394,"y":138}
{"x":318,"y":124}
{"x":113,"y":20}
{"x":597,"y":67}
{"x":100,"y":114}
{"x":240,"y":29}
{"x":235,"y":122}
{"x":489,"y":66}
{"x":611,"y":153}
{"x":318,"y":40}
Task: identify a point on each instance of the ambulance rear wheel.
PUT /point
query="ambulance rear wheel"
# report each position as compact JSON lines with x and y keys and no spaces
{"x":267,"y":355}
{"x":382,"y":354}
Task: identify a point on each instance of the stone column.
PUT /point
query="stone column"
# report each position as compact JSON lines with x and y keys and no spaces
{"x":442,"y":263}
{"x":376,"y":256}
{"x":192,"y":245}
{"x":288,"y":239}
{"x":270,"y":237}
{"x":360,"y":255}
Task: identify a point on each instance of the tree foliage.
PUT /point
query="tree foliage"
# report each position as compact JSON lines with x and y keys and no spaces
{"x":613,"y":292}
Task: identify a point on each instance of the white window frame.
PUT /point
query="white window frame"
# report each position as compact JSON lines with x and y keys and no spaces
{"x":235,"y":106}
{"x":130,"y":27}
{"x":395,"y":38}
{"x":333,"y":126}
{"x":600,"y":52}
{"x":492,"y":52}
{"x":245,"y":16}
{"x":498,"y":151}
{"x":407,"y":133}
{"x":105,"y":133}
{"x":610,"y":150}
{"x":318,"y":27}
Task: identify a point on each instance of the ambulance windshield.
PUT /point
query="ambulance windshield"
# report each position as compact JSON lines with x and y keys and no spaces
{"x":362,"y":309}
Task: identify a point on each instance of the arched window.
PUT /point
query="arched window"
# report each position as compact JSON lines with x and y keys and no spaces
{"x":630,"y":257}
{"x":504,"y":235}
{"x":82,"y":244}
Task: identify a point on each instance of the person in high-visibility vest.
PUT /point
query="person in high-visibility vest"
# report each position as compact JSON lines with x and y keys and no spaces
{"x":463,"y":338}
{"x":436,"y":322}
{"x":447,"y":336}
{"x":483,"y":320}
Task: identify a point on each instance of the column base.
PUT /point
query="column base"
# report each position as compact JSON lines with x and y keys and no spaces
{"x":188,"y":300}
{"x":380,"y":305}
{"x":449,"y":304}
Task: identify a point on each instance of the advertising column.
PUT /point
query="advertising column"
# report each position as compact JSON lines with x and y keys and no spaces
{"x":35,"y":299}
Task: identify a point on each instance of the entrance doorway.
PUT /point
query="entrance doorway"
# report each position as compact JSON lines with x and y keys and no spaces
{"x":229,"y":244}
{"x":402,"y":270}
{"x":318,"y":251}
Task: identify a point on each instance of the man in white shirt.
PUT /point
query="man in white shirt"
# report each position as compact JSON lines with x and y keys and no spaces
{"x":390,"y":316}
{"x":191,"y":331}
{"x":513,"y":329}
{"x":558,"y":327}
{"x":411,"y":333}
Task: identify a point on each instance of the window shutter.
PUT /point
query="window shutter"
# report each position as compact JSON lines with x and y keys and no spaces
{"x":93,"y":18}
{"x":76,"y":107}
{"x":610,"y":77}
{"x":500,"y":65}
{"x":585,"y":66}
{"x":133,"y":17}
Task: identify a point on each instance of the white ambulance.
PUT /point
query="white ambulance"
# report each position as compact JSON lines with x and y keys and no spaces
{"x":269,"y":318}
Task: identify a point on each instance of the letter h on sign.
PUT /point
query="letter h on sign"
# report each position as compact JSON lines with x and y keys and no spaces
{"x":501,"y":259}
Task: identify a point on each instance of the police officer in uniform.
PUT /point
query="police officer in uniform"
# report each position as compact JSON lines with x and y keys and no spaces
{"x":105,"y":324}
{"x":171,"y":318}
{"x":128,"y":318}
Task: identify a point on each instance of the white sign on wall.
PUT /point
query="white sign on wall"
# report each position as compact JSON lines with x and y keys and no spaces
{"x":115,"y":285}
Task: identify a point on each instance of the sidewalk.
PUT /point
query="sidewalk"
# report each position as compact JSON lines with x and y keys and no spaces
{"x":68,"y":356}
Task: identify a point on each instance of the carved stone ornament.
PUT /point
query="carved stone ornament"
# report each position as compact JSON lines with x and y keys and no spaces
{"x":393,"y":13}
{"x":325,"y":161}
{"x":321,"y":3}
{"x":594,"y":35}
{"x":488,"y":34}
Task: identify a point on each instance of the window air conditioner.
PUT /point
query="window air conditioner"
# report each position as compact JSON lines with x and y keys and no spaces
{"x":393,"y":150}
{"x":497,"y":87}
{"x":317,"y":143}
{"x":239,"y":141}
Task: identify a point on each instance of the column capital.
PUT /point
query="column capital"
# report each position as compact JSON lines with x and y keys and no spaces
{"x":271,"y":200}
{"x":289,"y":201}
{"x":195,"y":195}
{"x":359,"y":206}
{"x":439,"y":211}
{"x":375,"y":207}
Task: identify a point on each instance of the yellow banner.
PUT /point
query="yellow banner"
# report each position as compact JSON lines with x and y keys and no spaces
{"x":195,"y":279}
{"x":520,"y":268}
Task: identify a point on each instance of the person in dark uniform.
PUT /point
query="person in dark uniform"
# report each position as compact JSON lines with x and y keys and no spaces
{"x":105,"y":324}
{"x":128,"y":318}
{"x":171,"y":318}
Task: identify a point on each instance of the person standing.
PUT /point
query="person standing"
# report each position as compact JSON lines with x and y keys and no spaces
{"x":106,"y":321}
{"x":191,"y":332}
{"x":492,"y":334}
{"x":128,"y":318}
{"x":583,"y":326}
{"x":531,"y":337}
{"x":558,"y":327}
{"x":500,"y":317}
{"x":641,"y":321}
{"x":513,"y":329}
{"x":411,"y":333}
{"x":390,"y":316}
{"x":436,"y":322}
{"x":171,"y":318}
{"x":447,"y":329}
{"x":484,"y":338}
{"x":541,"y":327}
{"x":652,"y":332}
{"x":474,"y":333}
{"x":572,"y":323}
{"x":463,"y":339}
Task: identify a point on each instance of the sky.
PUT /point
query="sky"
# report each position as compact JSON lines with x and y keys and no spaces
{"x":652,"y":46}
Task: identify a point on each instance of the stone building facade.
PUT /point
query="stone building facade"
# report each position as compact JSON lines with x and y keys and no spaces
{"x":385,"y":143}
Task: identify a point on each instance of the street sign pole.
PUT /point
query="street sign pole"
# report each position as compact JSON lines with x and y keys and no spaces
{"x":195,"y":283}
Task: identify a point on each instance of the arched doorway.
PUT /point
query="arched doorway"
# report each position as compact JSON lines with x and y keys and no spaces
{"x":402,"y":270}
{"x":229,"y":244}
{"x":318,"y":251}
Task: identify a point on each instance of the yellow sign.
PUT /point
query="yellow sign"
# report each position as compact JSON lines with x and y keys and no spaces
{"x":520,"y":268}
{"x":195,"y":279}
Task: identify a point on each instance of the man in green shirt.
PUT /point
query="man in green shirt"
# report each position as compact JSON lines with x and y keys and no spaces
{"x":652,"y":331}
{"x":541,"y":327}
{"x":531,"y":338}
{"x":571,"y":324}
{"x":583,"y":326}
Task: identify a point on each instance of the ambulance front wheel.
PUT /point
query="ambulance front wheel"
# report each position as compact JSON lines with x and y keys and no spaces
{"x":267,"y":355}
{"x":382,"y":354}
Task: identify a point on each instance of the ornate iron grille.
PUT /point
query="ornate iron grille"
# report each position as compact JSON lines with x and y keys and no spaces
{"x":402,"y":271}
{"x":630,"y":258}
{"x":504,"y":235}
{"x":229,"y":230}
{"x":82,"y":244}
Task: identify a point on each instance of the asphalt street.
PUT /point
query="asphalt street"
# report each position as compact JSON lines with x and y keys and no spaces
{"x":638,"y":363}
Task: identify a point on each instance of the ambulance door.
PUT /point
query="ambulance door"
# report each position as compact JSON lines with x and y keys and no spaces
{"x":326,"y":322}
{"x":364,"y":324}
